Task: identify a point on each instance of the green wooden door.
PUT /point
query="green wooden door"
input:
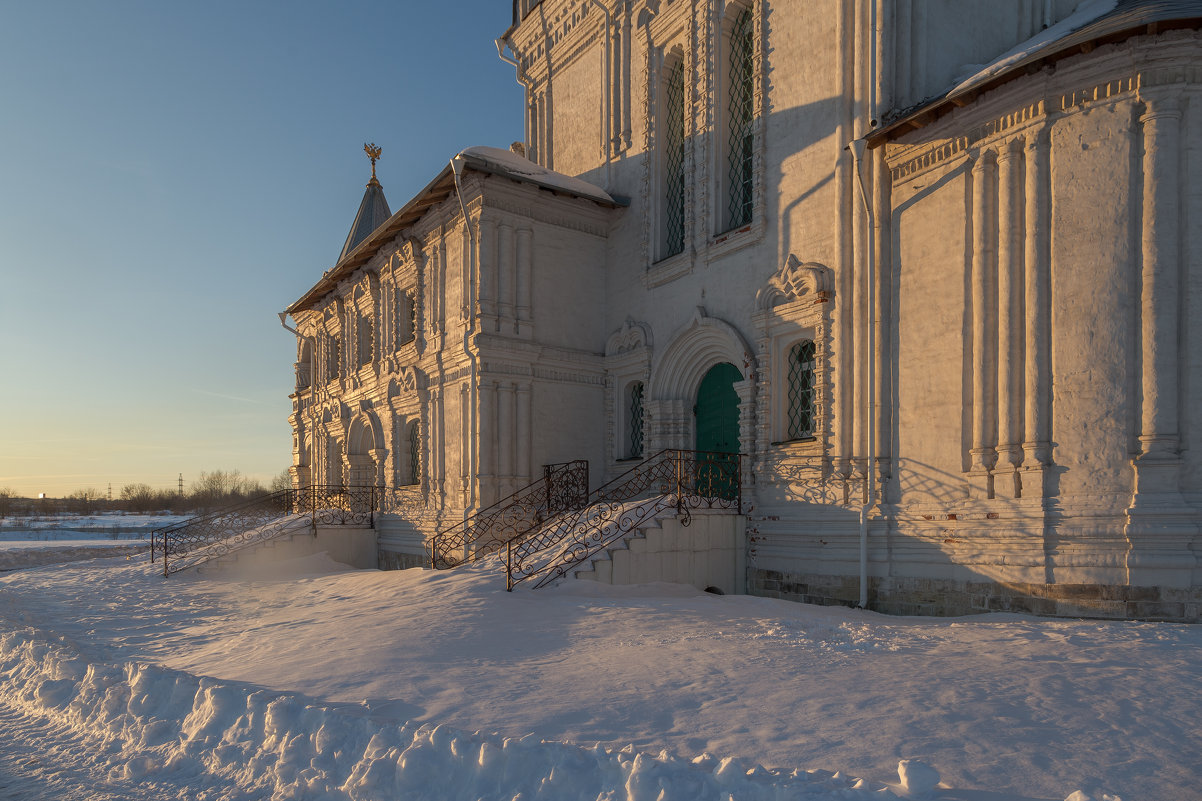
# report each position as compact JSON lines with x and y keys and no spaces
{"x":718,"y":430}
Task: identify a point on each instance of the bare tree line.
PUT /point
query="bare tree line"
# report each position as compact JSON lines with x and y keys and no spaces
{"x":209,"y":490}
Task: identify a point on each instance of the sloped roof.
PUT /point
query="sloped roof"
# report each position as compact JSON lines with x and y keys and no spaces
{"x":373,"y":212}
{"x":488,"y":160}
{"x":1094,"y":23}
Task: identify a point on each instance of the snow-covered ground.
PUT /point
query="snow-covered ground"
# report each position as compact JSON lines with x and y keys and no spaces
{"x":314,"y":681}
{"x":53,"y":539}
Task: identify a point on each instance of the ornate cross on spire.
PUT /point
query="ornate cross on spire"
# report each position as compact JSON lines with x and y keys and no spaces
{"x":373,"y":153}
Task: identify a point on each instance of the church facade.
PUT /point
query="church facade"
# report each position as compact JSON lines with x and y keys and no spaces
{"x":947,"y":313}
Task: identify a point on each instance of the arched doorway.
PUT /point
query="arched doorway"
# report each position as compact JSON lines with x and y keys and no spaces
{"x":361,"y":442}
{"x":717,"y":412}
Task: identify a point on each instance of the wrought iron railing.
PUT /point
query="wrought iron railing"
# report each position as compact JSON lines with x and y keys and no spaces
{"x":562,"y":488}
{"x":233,"y":528}
{"x":671,"y":479}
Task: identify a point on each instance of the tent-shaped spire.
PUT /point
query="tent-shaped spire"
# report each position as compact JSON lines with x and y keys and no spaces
{"x":373,"y":211}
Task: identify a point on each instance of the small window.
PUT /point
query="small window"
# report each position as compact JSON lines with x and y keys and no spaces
{"x":801,"y":391}
{"x":739,"y":109}
{"x":364,"y":339}
{"x":333,"y":357}
{"x":634,"y":434}
{"x":415,"y":455}
{"x":406,"y":324}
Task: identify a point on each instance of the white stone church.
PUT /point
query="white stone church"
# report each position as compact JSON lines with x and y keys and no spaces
{"x":928,"y":266}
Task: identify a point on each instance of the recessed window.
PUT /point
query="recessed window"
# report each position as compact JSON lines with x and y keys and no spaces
{"x":333,"y":356}
{"x":364,"y":339}
{"x":739,"y":111}
{"x":801,"y":391}
{"x":406,"y":324}
{"x":634,"y":428}
{"x":415,"y":455}
{"x":673,"y":159}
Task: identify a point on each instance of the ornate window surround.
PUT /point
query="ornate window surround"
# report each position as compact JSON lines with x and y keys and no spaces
{"x":666,"y":33}
{"x":793,"y":307}
{"x":627,"y":362}
{"x":725,"y":239}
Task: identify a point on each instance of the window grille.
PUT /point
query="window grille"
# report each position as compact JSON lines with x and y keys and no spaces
{"x":406,"y":318}
{"x":740,"y":108}
{"x":674,"y":161}
{"x":415,"y":454}
{"x":636,"y":420}
{"x":801,"y":390}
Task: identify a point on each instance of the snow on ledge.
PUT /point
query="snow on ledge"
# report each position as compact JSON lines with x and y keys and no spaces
{"x":1084,"y":14}
{"x":506,"y":162}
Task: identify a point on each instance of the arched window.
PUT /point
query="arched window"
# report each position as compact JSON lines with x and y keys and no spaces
{"x":415,"y":454}
{"x":673,"y":157}
{"x":304,"y":366}
{"x":634,"y":428}
{"x":801,"y":391}
{"x":739,"y":112}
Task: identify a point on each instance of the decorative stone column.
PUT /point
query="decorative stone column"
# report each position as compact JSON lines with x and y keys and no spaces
{"x":982,"y":452}
{"x":1158,"y":438}
{"x":1009,"y":336}
{"x":379,"y":458}
{"x":746,"y":392}
{"x":524,"y":256}
{"x":1037,"y":308}
{"x":1159,"y":523}
{"x":487,"y":477}
{"x":506,"y":434}
{"x":507,"y":276}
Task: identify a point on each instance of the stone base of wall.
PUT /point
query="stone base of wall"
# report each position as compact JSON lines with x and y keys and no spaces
{"x":941,"y":597}
{"x":395,"y":560}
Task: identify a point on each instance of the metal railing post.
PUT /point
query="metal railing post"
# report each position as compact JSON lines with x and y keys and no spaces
{"x":739,"y":479}
{"x":509,"y":566}
{"x":679,"y":465}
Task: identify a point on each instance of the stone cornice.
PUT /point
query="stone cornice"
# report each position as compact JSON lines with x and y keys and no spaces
{"x":1055,"y":96}
{"x":561,"y":36}
{"x":544,"y":206}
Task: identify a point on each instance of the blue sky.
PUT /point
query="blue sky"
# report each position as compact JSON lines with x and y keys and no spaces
{"x":172,"y":175}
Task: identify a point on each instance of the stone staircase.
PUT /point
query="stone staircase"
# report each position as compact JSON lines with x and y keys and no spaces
{"x":708,"y":553}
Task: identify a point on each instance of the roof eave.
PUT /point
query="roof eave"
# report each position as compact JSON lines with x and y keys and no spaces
{"x":1081,"y":41}
{"x":432,"y":194}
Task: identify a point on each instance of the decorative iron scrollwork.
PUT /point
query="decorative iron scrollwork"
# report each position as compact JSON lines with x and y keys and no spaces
{"x":215,"y":534}
{"x":563,"y":487}
{"x":671,"y":479}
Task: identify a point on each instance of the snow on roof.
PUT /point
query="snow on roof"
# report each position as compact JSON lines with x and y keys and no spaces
{"x":520,"y":168}
{"x":1084,"y":14}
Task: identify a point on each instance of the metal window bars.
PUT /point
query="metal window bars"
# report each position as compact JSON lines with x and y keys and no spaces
{"x":673,"y":155}
{"x":636,"y":420}
{"x":740,"y":108}
{"x":801,"y":390}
